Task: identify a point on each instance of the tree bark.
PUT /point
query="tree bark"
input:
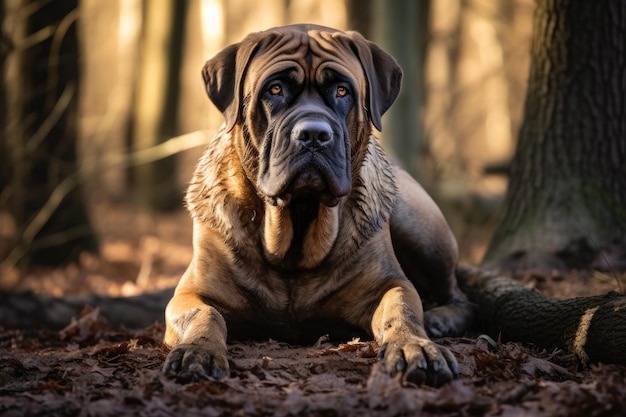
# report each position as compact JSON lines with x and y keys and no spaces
{"x":593,"y":328}
{"x":5,"y":161}
{"x":41,"y":139}
{"x":566,"y":202}
{"x":360,"y":16}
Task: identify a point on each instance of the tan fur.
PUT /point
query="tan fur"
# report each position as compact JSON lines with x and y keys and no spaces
{"x":277,"y":233}
{"x":321,"y":236}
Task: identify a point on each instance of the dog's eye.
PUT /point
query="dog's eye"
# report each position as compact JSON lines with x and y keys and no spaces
{"x":342,"y":91}
{"x":275,"y":89}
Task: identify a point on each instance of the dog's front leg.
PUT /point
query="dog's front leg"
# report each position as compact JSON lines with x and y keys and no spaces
{"x":398,"y":326}
{"x":197,"y":333}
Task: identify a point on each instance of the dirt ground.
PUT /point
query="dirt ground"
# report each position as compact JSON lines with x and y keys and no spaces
{"x":91,"y":369}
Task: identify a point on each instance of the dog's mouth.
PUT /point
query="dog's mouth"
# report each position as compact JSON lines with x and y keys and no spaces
{"x":294,"y":168}
{"x":308,"y":184}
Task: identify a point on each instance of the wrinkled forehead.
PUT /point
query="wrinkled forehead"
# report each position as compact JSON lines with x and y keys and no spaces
{"x":312,"y":56}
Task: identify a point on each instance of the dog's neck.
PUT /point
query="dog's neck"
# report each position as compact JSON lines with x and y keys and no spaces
{"x":220,"y":195}
{"x":316,"y":227}
{"x":298,"y":236}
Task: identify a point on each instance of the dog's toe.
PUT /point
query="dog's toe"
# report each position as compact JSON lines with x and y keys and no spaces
{"x":420,"y":361}
{"x":196,"y":362}
{"x":448,"y":320}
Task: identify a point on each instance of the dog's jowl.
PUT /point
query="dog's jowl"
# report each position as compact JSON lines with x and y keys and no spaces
{"x":302,"y":224}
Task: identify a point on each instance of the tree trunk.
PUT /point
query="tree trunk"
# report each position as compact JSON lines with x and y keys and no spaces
{"x":566,"y":203}
{"x":41,"y":139}
{"x":360,"y":16}
{"x":155,"y":113}
{"x":5,"y":161}
{"x":401,"y":28}
{"x":593,"y":328}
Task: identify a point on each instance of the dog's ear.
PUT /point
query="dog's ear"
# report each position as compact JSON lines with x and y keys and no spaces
{"x":223,"y":77}
{"x":384,"y":76}
{"x":220,"y":82}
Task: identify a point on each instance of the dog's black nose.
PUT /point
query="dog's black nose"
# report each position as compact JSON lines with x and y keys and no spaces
{"x":312,"y":133}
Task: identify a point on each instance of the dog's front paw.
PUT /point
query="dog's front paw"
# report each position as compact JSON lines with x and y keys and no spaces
{"x":196,"y":361}
{"x":420,"y":361}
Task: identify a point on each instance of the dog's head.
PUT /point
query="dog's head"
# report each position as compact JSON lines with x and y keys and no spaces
{"x":304,"y":97}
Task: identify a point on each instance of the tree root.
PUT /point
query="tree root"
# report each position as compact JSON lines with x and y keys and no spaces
{"x":593,"y":328}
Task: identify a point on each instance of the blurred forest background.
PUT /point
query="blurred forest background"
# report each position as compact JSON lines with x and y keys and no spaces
{"x":102,"y":105}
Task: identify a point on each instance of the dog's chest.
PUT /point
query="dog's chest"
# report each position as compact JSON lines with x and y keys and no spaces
{"x":297,"y":309}
{"x":296,"y":294}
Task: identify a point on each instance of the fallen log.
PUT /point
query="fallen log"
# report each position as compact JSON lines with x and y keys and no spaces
{"x":593,"y":328}
{"x":28,"y":310}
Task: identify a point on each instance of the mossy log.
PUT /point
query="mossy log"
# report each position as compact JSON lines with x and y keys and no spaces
{"x":593,"y":328}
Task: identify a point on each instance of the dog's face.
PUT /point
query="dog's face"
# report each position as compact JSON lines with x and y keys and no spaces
{"x":304,"y":97}
{"x":299,"y":108}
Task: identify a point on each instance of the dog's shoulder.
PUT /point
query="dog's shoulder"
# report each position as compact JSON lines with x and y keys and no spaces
{"x":219,"y":194}
{"x":374,"y":191}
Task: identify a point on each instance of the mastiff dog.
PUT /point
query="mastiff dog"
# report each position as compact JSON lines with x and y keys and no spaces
{"x":303,"y":226}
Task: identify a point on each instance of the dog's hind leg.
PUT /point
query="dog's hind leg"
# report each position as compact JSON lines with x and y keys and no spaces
{"x":428,"y":254}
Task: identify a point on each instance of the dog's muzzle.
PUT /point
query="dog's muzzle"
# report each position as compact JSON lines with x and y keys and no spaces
{"x":311,"y":165}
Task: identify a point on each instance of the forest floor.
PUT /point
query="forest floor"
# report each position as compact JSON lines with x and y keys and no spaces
{"x":92,"y":369}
